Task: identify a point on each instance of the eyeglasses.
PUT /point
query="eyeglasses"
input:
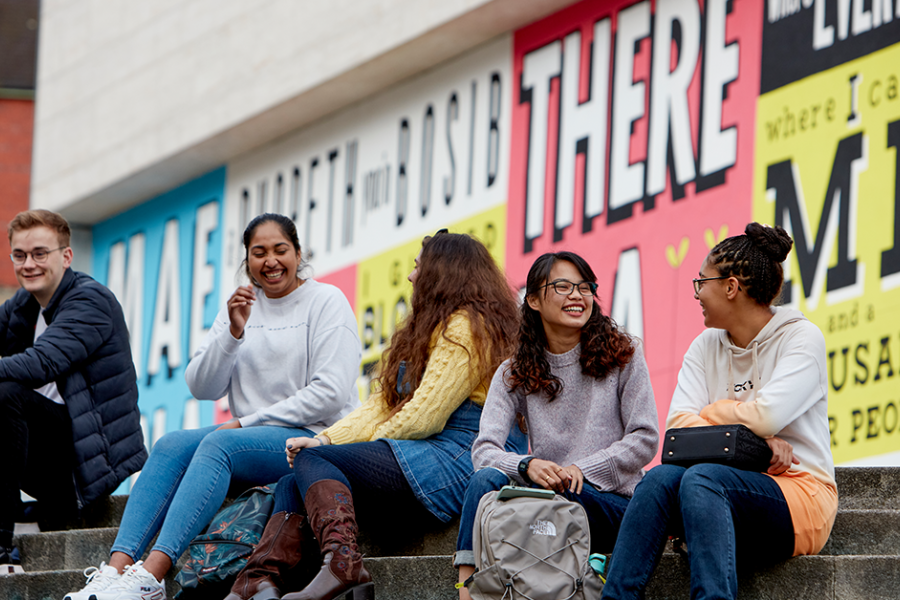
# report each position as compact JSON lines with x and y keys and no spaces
{"x":697,"y":282}
{"x":564,"y":287}
{"x":39,"y":255}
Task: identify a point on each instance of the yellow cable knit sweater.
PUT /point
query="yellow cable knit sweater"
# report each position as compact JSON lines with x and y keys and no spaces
{"x":446,"y":384}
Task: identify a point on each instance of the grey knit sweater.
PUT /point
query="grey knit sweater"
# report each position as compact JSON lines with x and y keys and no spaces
{"x":607,"y":428}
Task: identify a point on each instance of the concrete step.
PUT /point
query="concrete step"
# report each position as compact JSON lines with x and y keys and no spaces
{"x":80,"y":548}
{"x":861,"y":560}
{"x":52,"y":585}
{"x":859,"y":487}
{"x":62,"y":550}
{"x":104,"y":512}
{"x":432,"y":578}
{"x":868,"y":487}
{"x":865,"y":532}
{"x":803,"y":577}
{"x":856,"y":532}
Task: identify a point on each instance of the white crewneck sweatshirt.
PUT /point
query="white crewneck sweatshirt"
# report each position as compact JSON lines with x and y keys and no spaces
{"x":295,"y":366}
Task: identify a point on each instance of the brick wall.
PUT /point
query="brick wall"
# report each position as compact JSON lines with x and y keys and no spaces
{"x":16,"y":126}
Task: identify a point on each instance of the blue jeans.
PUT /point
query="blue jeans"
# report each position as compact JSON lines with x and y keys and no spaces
{"x":726,"y":516}
{"x":382,"y":497}
{"x":604,"y":511}
{"x":187,"y":477}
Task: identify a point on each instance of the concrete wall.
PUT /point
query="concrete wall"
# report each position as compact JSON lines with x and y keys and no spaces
{"x":137,"y":97}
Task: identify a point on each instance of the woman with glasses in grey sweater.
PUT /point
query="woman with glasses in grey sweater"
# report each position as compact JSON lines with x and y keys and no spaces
{"x":582,"y":388}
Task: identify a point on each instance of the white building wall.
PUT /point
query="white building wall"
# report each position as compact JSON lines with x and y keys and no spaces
{"x":137,"y":97}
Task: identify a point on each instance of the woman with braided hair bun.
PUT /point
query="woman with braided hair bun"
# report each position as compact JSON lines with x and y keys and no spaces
{"x":760,"y":366}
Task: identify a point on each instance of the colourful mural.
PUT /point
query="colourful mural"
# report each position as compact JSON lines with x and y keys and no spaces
{"x":162,"y":259}
{"x":637,"y":134}
{"x":632,"y":146}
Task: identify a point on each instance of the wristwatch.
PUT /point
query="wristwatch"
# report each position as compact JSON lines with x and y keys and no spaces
{"x":523,"y":468}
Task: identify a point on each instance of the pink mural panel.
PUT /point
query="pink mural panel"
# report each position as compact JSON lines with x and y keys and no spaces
{"x":345,"y":279}
{"x":640,"y":169}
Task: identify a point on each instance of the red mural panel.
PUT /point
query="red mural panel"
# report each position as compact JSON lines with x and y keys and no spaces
{"x":632,"y":144}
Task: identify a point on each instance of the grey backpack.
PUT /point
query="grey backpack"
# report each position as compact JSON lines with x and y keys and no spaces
{"x":532,"y":549}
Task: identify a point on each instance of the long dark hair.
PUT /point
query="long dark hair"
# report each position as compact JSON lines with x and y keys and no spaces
{"x":603,"y":346}
{"x":754,"y":259}
{"x":455,"y":272}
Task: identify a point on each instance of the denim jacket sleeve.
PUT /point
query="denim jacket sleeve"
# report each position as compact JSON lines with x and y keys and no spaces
{"x":497,"y":420}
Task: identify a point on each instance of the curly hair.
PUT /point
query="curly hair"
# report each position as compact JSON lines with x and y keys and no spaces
{"x":754,"y":259}
{"x":603,"y":346}
{"x":455,"y":272}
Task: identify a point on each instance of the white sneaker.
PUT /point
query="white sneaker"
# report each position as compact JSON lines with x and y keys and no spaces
{"x":9,"y":561}
{"x":101,"y":584}
{"x":136,"y":583}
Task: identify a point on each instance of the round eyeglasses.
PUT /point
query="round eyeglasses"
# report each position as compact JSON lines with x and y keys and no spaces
{"x":700,"y":280}
{"x":564,"y":287}
{"x":38,"y":255}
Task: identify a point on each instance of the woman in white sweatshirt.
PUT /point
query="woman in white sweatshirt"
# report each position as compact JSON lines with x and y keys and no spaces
{"x":755,"y":365}
{"x":286,"y":352}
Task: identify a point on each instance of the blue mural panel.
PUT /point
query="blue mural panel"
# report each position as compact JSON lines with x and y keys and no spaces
{"x":162,"y":260}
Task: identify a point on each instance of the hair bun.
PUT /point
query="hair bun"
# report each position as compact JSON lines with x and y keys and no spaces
{"x":773,"y":241}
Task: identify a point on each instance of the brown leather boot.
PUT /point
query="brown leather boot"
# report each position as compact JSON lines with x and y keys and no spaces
{"x":279,"y":550}
{"x":331,"y":516}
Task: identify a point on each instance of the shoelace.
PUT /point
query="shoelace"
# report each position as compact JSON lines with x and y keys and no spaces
{"x":97,"y":580}
{"x":137,"y":574}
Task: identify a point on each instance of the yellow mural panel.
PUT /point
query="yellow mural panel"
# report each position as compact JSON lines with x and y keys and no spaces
{"x":826,"y":169}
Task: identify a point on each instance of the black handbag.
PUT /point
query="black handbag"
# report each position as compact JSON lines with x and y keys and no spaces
{"x":732,"y":445}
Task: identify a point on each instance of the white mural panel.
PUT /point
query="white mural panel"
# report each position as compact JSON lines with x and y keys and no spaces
{"x":431,"y":151}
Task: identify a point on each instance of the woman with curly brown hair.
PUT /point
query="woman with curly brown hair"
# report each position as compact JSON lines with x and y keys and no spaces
{"x":402,"y":460}
{"x":583,"y":389}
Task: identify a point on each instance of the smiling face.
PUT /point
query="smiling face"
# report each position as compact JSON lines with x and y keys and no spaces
{"x":273,"y":261}
{"x":713,"y":301}
{"x":41,"y":279}
{"x":560,"y":312}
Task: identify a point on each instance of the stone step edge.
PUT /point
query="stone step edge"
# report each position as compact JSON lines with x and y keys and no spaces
{"x":440,"y":566}
{"x":449,"y":559}
{"x":882,"y":485}
{"x":847,"y":511}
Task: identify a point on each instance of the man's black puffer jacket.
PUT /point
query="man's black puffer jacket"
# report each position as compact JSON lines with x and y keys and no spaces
{"x":85,"y":350}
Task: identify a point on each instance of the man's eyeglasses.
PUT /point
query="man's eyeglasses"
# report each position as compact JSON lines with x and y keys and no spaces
{"x":564,"y":287}
{"x":38,"y":255}
{"x":697,"y":282}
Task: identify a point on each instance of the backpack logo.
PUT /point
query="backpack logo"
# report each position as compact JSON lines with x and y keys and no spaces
{"x":543,"y":528}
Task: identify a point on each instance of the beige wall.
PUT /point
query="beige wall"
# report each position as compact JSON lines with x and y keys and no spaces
{"x":136,"y":97}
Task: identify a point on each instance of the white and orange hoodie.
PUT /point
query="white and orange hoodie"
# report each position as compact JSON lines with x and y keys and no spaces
{"x":776,"y":386}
